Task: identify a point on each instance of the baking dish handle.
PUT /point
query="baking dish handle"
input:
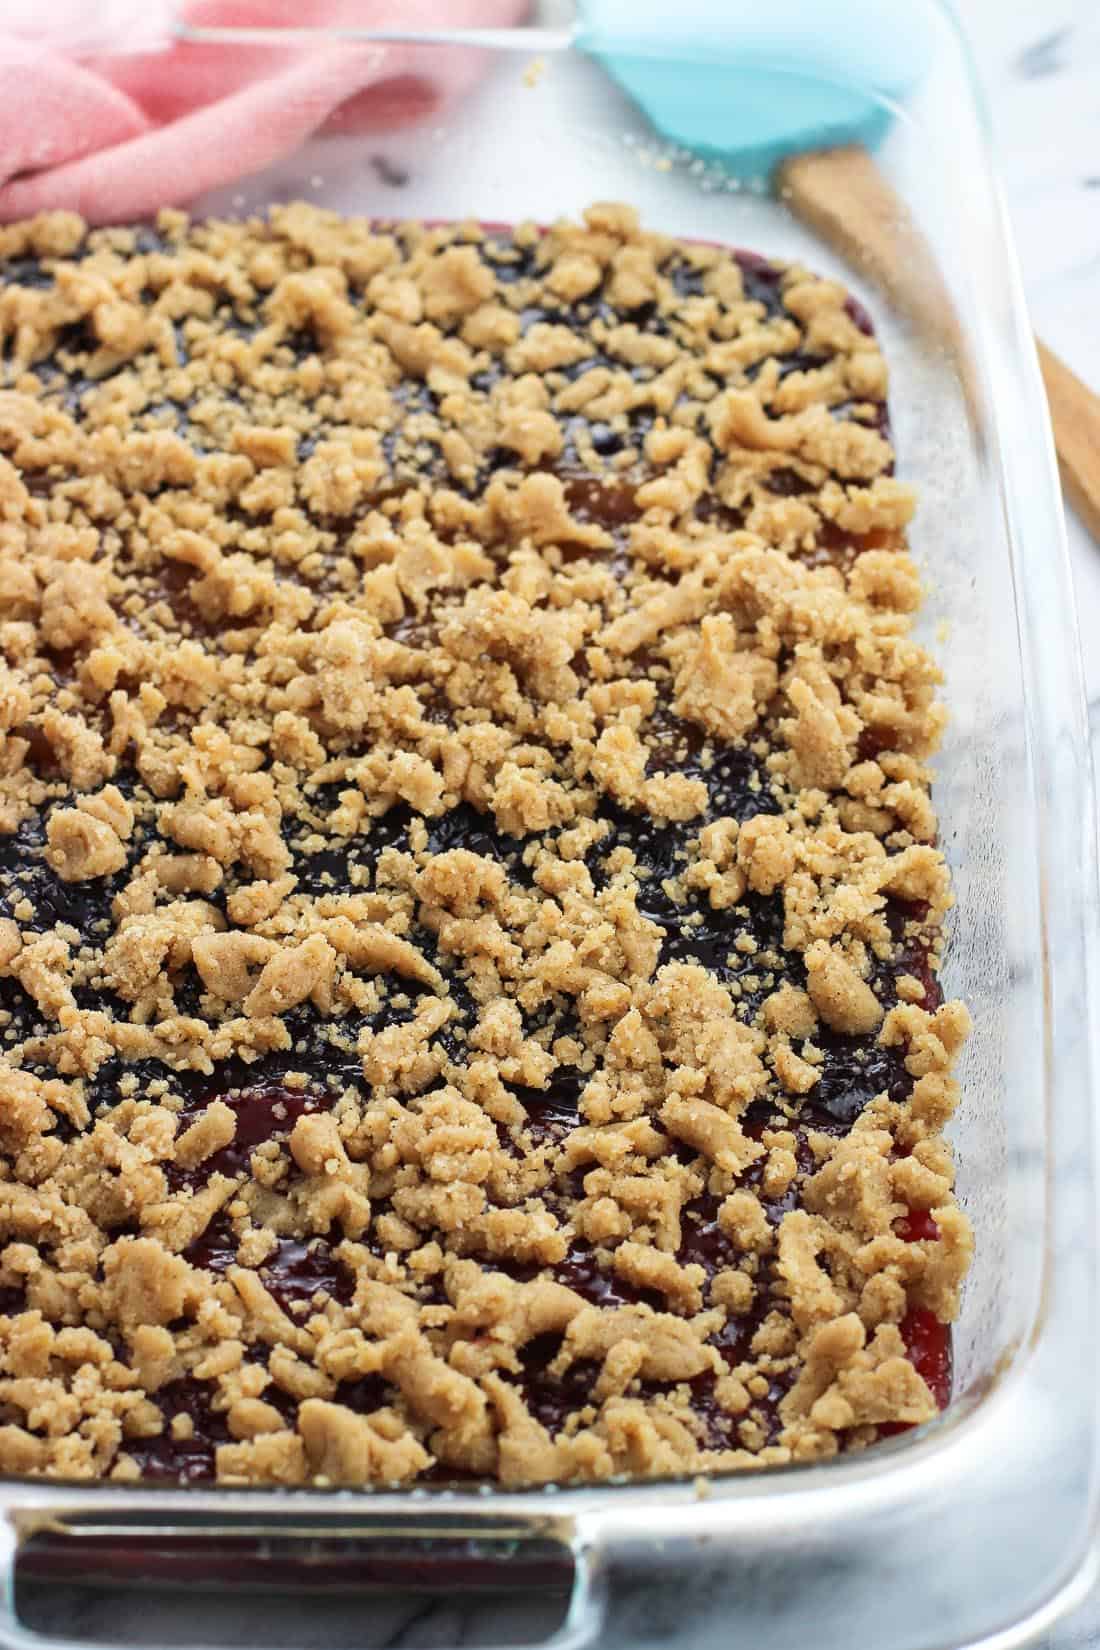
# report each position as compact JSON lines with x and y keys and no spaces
{"x":582,"y":1626}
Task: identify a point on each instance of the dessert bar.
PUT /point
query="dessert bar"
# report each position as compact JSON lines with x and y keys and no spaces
{"x":470,"y":903}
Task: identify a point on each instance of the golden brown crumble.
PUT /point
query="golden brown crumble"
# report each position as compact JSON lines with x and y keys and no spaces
{"x":469,"y":894}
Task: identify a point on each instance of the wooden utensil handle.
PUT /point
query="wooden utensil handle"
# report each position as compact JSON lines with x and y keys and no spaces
{"x":1075,"y":414}
{"x":842,"y":194}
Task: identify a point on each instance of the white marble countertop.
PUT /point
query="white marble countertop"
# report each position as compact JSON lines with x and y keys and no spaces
{"x":1040,"y":60}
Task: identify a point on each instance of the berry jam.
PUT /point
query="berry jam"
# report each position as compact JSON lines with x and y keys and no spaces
{"x":928,"y":1342}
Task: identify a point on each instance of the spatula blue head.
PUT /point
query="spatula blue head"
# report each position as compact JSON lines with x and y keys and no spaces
{"x":746,"y":83}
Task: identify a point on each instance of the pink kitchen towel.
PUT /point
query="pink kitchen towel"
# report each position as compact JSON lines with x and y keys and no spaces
{"x":115,"y":134}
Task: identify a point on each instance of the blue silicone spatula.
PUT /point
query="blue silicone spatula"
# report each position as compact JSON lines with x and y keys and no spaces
{"x":746,"y":83}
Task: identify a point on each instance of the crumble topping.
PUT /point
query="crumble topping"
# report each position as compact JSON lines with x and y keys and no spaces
{"x":469,"y":896}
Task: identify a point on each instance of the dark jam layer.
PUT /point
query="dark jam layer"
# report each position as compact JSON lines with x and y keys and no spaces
{"x":303,"y":1273}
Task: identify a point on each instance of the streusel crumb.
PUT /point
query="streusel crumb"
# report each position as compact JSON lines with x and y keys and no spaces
{"x":470,"y":906}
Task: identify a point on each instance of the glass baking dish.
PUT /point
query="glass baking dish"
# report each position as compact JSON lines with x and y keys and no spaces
{"x":979,"y":1526}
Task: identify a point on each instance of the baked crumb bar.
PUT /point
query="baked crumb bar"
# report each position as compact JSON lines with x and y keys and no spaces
{"x":470,"y":907}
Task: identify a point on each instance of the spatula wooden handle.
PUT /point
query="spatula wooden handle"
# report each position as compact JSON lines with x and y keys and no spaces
{"x":1075,"y":414}
{"x":842,"y":194}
